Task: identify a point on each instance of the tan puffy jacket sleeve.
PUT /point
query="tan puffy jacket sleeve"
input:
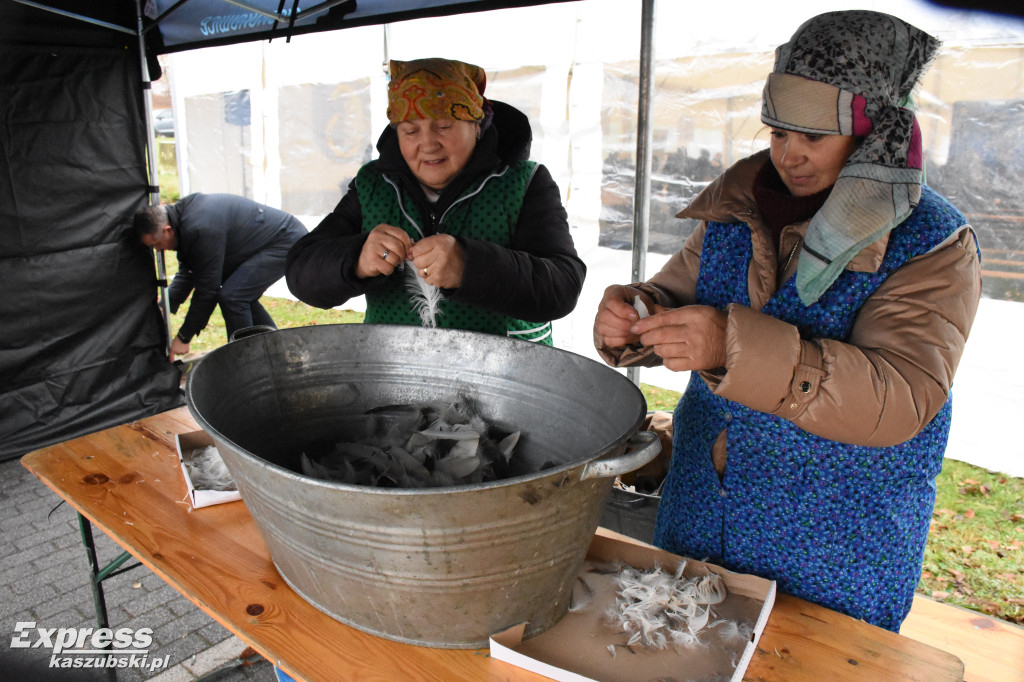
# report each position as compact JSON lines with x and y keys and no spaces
{"x":892,"y":376}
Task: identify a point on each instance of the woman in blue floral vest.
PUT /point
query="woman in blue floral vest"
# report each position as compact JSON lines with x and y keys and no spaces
{"x":822,"y":306}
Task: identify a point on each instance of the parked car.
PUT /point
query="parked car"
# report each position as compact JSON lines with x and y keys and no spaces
{"x":163,"y":123}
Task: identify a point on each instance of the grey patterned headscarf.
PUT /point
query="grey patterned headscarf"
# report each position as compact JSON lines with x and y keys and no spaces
{"x":852,"y":73}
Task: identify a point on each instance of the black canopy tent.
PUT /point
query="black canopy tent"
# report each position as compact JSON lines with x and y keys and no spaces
{"x":82,"y":339}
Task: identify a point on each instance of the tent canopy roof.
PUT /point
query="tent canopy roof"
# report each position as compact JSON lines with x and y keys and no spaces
{"x":175,"y":25}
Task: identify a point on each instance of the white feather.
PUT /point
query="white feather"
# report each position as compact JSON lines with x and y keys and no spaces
{"x":582,"y":595}
{"x":207,"y":470}
{"x":425,"y":298}
{"x":641,"y":307}
{"x":657,"y":608}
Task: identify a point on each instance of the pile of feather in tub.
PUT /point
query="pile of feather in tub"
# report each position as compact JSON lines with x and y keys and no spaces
{"x":419,"y":446}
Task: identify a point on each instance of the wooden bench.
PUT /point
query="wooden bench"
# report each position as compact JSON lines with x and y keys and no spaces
{"x":992,"y":649}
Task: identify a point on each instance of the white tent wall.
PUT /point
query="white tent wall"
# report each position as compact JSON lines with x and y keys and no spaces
{"x":571,"y":67}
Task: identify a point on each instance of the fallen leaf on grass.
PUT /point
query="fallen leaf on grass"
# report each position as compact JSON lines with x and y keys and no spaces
{"x":989,"y":608}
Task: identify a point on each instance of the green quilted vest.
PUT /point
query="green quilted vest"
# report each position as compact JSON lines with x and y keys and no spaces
{"x":488,"y":210}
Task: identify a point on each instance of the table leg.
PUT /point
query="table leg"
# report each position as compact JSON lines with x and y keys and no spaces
{"x":97,"y":574}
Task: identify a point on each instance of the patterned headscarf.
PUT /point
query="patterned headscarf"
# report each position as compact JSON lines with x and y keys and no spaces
{"x":852,"y":73}
{"x":435,"y":88}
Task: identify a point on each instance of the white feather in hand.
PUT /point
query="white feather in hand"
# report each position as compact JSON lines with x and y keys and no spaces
{"x":426,"y":298}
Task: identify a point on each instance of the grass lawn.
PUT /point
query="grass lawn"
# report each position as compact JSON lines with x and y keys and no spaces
{"x":974,"y":555}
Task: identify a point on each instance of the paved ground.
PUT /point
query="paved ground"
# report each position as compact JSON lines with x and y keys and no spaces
{"x":44,"y":578}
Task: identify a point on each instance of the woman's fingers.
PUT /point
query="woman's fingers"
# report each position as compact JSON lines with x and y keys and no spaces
{"x":384,"y":249}
{"x":615,"y":317}
{"x":687,"y":338}
{"x":440,"y":260}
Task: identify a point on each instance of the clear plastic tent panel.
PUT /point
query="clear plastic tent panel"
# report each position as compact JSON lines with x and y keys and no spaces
{"x":706,"y":116}
{"x":220,"y":142}
{"x":325,"y":138}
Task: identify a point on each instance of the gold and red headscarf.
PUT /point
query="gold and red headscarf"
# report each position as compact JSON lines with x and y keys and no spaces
{"x":435,"y":88}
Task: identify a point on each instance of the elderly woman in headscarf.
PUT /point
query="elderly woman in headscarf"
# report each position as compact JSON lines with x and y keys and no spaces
{"x":452,"y":226}
{"x":823,"y":305}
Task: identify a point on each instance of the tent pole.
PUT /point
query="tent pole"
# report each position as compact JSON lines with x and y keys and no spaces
{"x":154,"y":176}
{"x":644,"y":140}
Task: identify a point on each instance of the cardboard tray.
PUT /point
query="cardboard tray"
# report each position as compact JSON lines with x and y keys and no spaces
{"x":187,"y":443}
{"x":576,"y":648}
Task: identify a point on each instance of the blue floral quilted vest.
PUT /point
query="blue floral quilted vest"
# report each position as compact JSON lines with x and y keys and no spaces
{"x":840,"y":525}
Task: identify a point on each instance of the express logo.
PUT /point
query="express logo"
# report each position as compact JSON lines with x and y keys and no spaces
{"x":81,"y":640}
{"x":90,"y":647}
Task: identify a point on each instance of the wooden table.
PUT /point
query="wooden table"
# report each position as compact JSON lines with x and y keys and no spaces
{"x":127,"y":481}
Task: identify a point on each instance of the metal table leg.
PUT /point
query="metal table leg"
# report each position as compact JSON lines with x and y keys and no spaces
{"x":98,"y":575}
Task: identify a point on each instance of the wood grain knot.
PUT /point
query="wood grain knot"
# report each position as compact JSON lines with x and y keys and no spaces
{"x":127,"y":478}
{"x":95,"y":479}
{"x":254,"y":609}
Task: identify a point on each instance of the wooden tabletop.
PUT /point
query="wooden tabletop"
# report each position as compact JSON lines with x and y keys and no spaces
{"x":127,"y":481}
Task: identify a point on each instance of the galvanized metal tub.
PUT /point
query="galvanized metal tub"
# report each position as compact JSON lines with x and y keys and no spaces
{"x":442,"y":567}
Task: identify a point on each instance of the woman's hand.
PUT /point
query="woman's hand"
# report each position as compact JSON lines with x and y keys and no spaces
{"x":687,"y":338}
{"x":616,"y":317}
{"x":440,"y":260}
{"x":384,"y":249}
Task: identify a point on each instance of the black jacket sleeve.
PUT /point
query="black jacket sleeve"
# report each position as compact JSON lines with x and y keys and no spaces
{"x":179,"y":289}
{"x":321,"y":266}
{"x":539,"y":276}
{"x":205,"y":260}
